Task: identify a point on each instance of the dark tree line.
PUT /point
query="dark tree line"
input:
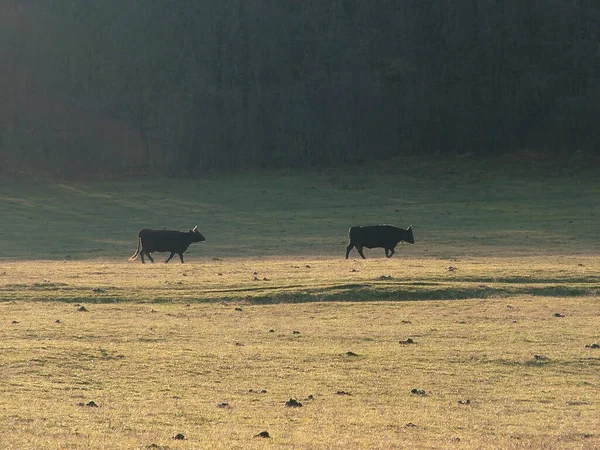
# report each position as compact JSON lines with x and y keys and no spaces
{"x":173,"y":86}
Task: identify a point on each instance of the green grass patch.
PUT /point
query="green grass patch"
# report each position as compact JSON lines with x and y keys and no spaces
{"x":457,"y":207}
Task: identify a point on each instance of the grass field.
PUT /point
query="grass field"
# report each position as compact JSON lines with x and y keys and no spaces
{"x":499,"y":296}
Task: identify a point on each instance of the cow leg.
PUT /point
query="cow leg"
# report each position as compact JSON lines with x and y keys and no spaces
{"x":149,"y":257}
{"x":170,"y":256}
{"x":386,"y":252}
{"x":181,"y":257}
{"x":142,"y":255}
{"x":391,"y":252}
{"x":348,"y":250}
{"x":360,"y":249}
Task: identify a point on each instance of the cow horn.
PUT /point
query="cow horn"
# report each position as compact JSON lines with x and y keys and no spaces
{"x":195,"y":230}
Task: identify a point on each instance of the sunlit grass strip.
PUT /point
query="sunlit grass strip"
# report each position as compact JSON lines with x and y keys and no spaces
{"x":288,"y":280}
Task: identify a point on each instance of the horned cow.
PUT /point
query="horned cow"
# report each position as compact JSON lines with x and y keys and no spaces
{"x":176,"y":242}
{"x":382,"y":236}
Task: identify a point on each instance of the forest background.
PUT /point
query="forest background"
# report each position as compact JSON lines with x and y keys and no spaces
{"x":182,"y":87}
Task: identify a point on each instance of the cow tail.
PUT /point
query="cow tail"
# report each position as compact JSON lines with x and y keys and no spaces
{"x":137,"y":250}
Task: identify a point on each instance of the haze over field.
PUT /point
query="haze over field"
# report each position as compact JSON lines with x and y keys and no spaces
{"x":273,"y":127}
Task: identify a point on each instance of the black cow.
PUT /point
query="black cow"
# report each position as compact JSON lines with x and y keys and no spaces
{"x":385,"y":236}
{"x":165,"y":241}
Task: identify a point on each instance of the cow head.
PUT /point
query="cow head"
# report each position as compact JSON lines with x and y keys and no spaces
{"x":196,"y":235}
{"x":408,"y":235}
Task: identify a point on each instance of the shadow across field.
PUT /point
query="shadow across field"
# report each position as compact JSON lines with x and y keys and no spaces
{"x":357,"y":292}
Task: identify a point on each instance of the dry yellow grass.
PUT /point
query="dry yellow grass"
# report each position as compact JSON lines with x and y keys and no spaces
{"x":168,"y":349}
